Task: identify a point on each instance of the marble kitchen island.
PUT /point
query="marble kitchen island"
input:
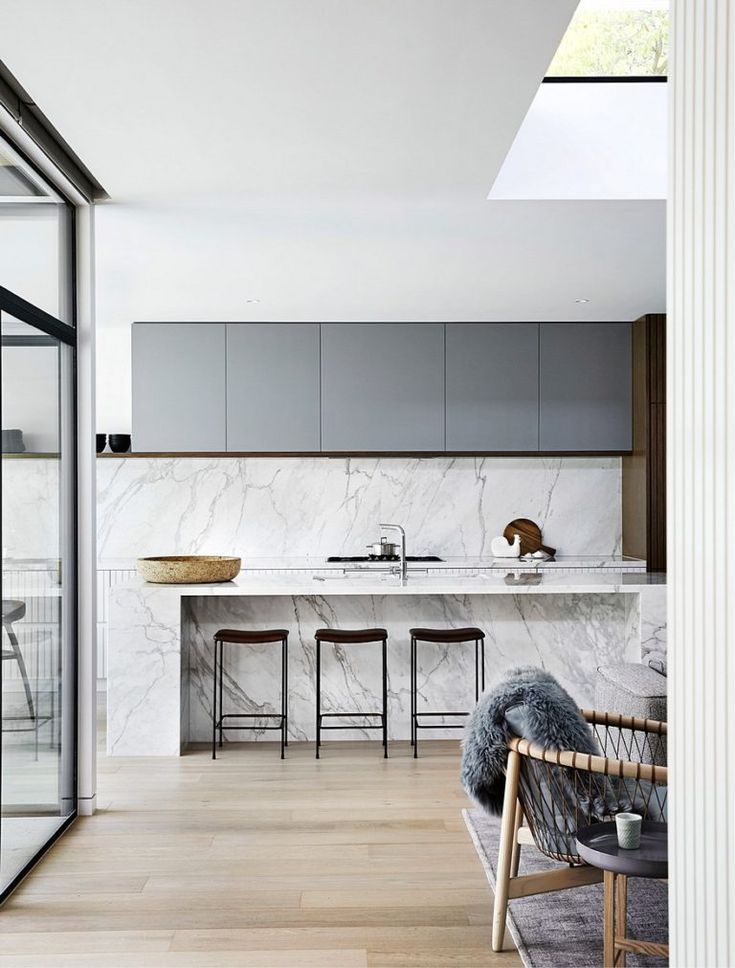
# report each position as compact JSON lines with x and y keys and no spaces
{"x":160,"y":643}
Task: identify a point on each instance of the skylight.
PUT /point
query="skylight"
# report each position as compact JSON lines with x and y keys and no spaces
{"x":615,"y":38}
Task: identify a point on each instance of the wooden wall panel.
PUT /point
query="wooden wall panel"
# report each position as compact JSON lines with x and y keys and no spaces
{"x":644,"y":471}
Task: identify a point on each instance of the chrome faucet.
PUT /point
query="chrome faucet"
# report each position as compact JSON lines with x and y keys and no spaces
{"x":404,"y":563}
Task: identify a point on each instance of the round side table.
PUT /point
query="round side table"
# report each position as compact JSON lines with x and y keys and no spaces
{"x":598,"y":846}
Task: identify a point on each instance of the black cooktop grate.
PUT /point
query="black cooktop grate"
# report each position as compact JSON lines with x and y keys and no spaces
{"x":368,"y":558}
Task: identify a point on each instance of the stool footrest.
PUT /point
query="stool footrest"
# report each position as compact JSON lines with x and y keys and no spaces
{"x":416,"y":715}
{"x":221,"y":724}
{"x":438,"y":725}
{"x":325,"y":715}
{"x":252,"y":716}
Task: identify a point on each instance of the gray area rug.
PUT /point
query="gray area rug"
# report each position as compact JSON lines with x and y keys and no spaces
{"x":563,"y":929}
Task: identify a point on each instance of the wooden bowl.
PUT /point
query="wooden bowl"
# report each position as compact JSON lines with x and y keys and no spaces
{"x":188,"y":569}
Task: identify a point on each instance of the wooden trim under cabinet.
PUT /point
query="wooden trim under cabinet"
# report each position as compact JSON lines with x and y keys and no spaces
{"x":370,"y":453}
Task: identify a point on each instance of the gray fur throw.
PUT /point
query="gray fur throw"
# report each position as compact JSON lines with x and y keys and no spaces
{"x":528,"y":702}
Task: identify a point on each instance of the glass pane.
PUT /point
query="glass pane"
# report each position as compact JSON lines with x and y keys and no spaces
{"x":14,"y":181}
{"x":614,"y":38}
{"x":35,"y":238}
{"x":37,"y":694}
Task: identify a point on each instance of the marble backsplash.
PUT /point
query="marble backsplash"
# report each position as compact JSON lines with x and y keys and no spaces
{"x":282,"y":507}
{"x":30,"y":500}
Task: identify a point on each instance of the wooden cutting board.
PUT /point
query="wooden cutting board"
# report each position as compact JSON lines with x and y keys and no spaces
{"x":530,"y":534}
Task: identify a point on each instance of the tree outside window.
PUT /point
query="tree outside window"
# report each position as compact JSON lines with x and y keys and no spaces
{"x":603,"y":41}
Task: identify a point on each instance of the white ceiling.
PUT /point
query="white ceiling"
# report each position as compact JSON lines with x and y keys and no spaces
{"x":387,"y":260}
{"x":330,"y":157}
{"x":169,"y":97}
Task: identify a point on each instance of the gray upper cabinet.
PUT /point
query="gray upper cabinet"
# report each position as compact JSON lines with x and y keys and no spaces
{"x":492,"y":386}
{"x":178,"y":387}
{"x":585,"y":386}
{"x":382,"y":386}
{"x":273,"y":387}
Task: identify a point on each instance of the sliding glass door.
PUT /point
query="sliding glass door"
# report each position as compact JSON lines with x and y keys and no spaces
{"x":38,"y":702}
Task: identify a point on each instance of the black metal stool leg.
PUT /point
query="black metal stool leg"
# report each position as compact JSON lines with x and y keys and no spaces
{"x":385,"y":699}
{"x":415,"y":694}
{"x":284,"y":693}
{"x":221,"y":707}
{"x":318,"y":695}
{"x":482,"y":663}
{"x":214,"y":703}
{"x":477,"y":670}
{"x":410,"y":689}
{"x":285,"y":683}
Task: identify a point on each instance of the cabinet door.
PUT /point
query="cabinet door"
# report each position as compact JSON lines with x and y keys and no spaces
{"x":273,"y":387}
{"x":492,"y":386}
{"x":178,"y":387}
{"x":382,"y":386}
{"x":585,"y":386}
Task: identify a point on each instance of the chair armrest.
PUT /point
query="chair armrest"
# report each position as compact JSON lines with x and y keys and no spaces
{"x":625,"y":722}
{"x":590,"y":763}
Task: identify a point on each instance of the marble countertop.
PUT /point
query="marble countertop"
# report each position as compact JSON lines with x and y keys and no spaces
{"x":471,"y":583}
{"x":614,"y":563}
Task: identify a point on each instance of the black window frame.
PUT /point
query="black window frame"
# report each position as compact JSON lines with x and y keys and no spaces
{"x":65,"y":332}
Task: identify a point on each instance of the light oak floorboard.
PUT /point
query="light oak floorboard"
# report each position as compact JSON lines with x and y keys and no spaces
{"x":349,"y":861}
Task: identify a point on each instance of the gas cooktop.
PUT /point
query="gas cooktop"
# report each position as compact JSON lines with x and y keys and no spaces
{"x":367,"y":558}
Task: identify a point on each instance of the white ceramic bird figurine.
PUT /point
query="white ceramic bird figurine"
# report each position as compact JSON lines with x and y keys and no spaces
{"x":502,"y":548}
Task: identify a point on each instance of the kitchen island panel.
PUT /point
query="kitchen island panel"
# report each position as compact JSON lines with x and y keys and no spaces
{"x":160,"y":642}
{"x":569,"y":635}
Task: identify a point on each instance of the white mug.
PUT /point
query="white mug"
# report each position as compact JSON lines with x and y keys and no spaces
{"x":628,"y":826}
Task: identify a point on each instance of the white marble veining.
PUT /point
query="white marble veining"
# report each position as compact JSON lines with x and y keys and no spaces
{"x":30,"y":499}
{"x":144,"y":669}
{"x":160,"y":653}
{"x":653,"y":632}
{"x":297,"y":507}
{"x":569,"y":635}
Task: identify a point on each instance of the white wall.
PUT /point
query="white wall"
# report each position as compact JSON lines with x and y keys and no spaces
{"x":383,"y":259}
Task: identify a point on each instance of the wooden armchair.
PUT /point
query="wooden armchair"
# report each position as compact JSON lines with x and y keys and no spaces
{"x":550,"y":793}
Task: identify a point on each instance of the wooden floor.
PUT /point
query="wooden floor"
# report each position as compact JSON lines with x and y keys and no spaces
{"x":348,"y":861}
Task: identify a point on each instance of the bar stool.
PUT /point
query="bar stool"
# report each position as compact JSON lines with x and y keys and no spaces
{"x":443,"y":637}
{"x":237,"y":637}
{"x":350,"y":637}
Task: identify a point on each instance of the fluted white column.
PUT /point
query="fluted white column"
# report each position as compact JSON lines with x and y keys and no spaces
{"x":701,"y":481}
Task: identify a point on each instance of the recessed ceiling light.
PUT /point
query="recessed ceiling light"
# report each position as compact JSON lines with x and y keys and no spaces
{"x":257,"y":300}
{"x":581,"y":300}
